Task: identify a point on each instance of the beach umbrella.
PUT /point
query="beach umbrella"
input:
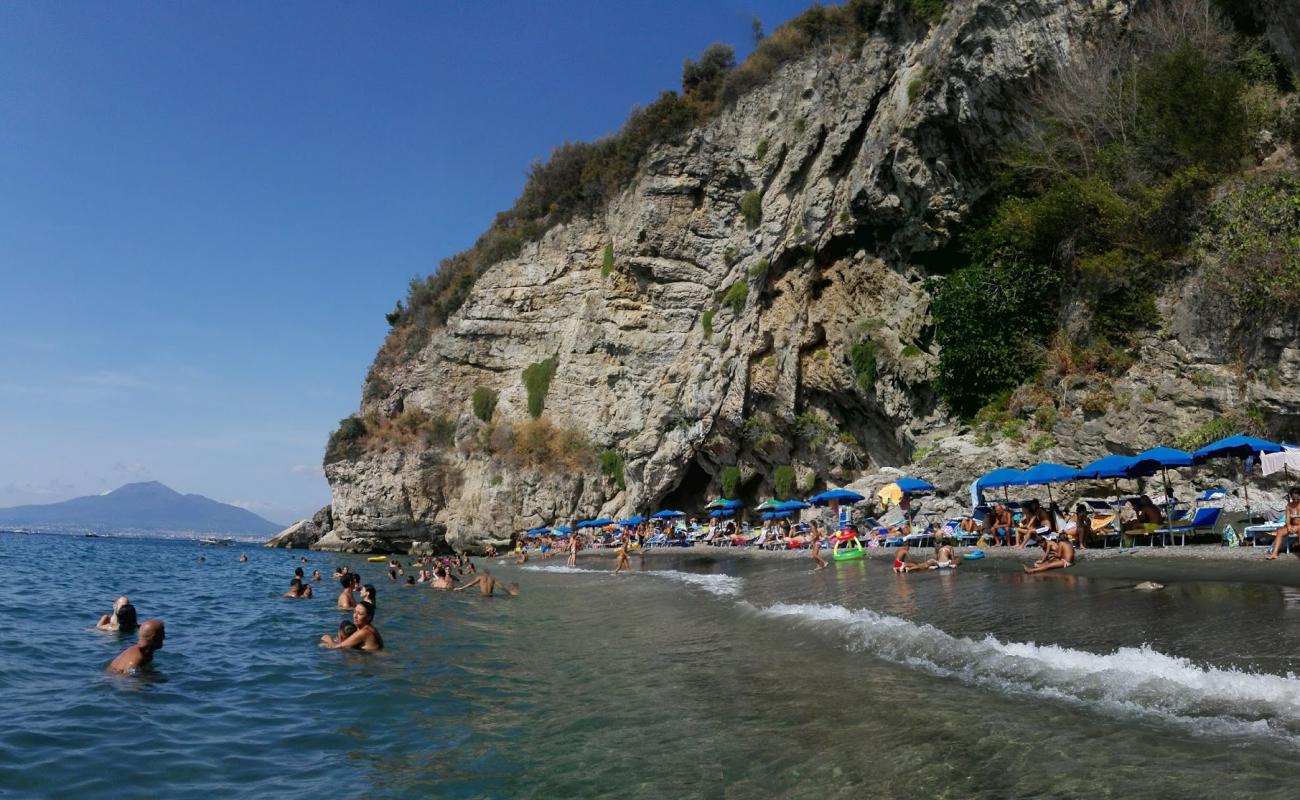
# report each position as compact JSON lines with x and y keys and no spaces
{"x":1242,"y":447}
{"x":790,"y":505}
{"x":1046,"y":474}
{"x":668,"y":514}
{"x":596,"y":523}
{"x":632,"y":522}
{"x":722,"y":512}
{"x":768,"y":505}
{"x":776,"y":514}
{"x":563,"y":530}
{"x":835,"y":496}
{"x":722,"y":502}
{"x":1111,"y":466}
{"x":1147,"y":463}
{"x":913,"y":485}
{"x":999,"y":478}
{"x":536,"y":531}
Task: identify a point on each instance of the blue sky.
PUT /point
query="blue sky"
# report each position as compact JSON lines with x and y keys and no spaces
{"x":207,"y":208}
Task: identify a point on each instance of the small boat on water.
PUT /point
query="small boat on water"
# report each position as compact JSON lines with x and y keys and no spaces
{"x":214,"y":542}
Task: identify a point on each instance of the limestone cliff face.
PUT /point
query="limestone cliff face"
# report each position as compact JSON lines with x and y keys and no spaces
{"x":862,"y":161}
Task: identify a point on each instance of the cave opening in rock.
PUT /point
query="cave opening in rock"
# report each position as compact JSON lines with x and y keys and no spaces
{"x":691,"y":493}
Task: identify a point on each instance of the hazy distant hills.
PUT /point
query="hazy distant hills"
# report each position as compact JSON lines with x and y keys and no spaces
{"x":141,"y":507}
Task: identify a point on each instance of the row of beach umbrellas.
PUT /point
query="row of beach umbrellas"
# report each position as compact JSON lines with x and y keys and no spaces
{"x":1142,"y":465}
{"x":721,"y":508}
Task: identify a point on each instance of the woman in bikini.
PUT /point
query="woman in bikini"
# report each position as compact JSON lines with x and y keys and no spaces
{"x":1290,"y":523}
{"x":816,"y":534}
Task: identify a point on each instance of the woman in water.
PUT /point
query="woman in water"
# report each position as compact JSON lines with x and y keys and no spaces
{"x":622,"y":563}
{"x":816,"y":538}
{"x":122,"y":619}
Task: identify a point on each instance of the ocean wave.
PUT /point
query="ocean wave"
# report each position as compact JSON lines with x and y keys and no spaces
{"x":722,"y":585}
{"x":1134,"y":680}
{"x":560,"y":568}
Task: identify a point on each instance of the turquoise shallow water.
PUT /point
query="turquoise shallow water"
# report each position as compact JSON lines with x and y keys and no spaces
{"x":693,"y":677}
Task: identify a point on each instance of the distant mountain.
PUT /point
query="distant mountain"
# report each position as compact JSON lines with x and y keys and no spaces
{"x":147,"y":506}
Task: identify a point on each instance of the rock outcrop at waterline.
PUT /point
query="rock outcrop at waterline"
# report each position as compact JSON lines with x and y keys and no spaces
{"x":754,"y":300}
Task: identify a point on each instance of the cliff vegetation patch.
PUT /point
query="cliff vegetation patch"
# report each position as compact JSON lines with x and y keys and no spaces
{"x":537,"y":381}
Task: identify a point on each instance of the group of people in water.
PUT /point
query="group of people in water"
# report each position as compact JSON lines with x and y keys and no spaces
{"x":456,"y":573}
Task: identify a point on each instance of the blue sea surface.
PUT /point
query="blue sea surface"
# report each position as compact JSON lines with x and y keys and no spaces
{"x":692,"y":677}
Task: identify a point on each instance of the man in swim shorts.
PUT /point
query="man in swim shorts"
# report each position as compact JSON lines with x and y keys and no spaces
{"x":365,"y":637}
{"x":998,"y":523}
{"x":140,"y":653}
{"x":487,"y":585}
{"x":903,"y":562}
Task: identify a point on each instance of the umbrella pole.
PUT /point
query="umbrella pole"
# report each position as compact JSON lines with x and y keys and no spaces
{"x":1245,"y":488}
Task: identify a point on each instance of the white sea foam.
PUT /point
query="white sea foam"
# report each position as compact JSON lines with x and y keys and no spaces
{"x":722,"y":585}
{"x":561,"y":568}
{"x":1137,"y":680}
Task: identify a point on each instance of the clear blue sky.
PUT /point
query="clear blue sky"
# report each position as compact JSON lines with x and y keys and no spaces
{"x":206,"y":209}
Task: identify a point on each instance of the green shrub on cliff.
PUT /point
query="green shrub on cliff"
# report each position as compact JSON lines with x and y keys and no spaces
{"x":537,"y":380}
{"x":1253,"y":239}
{"x":751,"y":208}
{"x":347,"y":442}
{"x":730,"y":480}
{"x":783,"y":481}
{"x":607,"y":261}
{"x":706,"y":321}
{"x":484,"y":402}
{"x":736,"y":296}
{"x":377,"y":388}
{"x":612,"y":467}
{"x":862,"y":356}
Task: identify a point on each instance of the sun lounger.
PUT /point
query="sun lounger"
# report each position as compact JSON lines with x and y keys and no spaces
{"x":1205,"y":519}
{"x":1264,"y":530}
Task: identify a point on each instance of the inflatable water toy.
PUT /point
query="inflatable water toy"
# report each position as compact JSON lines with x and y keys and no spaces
{"x":377,"y":558}
{"x":847,"y":548}
{"x":974,"y":556}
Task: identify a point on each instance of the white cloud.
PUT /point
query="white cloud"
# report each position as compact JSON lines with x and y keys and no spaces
{"x":307,"y":469}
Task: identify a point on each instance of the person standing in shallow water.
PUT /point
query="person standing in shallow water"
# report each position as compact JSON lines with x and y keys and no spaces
{"x":140,"y":653}
{"x":573,"y":550}
{"x":622,"y":563}
{"x":816,"y":534}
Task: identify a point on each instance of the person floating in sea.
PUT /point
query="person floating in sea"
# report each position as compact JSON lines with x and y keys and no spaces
{"x":487,"y":585}
{"x":1290,"y":523}
{"x":816,"y":536}
{"x":298,"y":590}
{"x":242,"y":558}
{"x":140,"y":653}
{"x":122,"y":619}
{"x":1058,"y":554}
{"x":365,"y":637}
{"x":622,"y":563}
{"x":410,"y":582}
{"x":315,"y":576}
{"x":340,"y":571}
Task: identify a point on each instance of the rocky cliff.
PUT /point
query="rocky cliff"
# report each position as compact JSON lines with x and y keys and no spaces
{"x":756,"y":300}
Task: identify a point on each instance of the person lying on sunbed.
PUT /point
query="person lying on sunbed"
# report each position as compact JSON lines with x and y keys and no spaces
{"x":1057,"y":554}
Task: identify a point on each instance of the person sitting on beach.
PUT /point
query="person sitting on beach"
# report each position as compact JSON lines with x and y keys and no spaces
{"x":998,"y":525}
{"x":1147,"y":517}
{"x":944,"y":558}
{"x":298,"y":590}
{"x":1030,"y":523}
{"x":1057,"y":554}
{"x":903,"y":562}
{"x":347,"y":598}
{"x":487,"y":585}
{"x":122,"y":619}
{"x":365,"y":637}
{"x":140,"y":653}
{"x":1290,"y":523}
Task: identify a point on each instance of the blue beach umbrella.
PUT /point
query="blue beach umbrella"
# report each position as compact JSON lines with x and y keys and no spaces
{"x":776,"y":514}
{"x":1046,"y":474}
{"x":836,"y":496}
{"x":596,"y":523}
{"x":1000,"y":478}
{"x":722,"y":512}
{"x":1242,"y":447}
{"x":536,"y":531}
{"x":667,"y":514}
{"x":1111,"y":466}
{"x":563,"y":530}
{"x":913,"y":485}
{"x":790,"y":505}
{"x":1147,"y":463}
{"x":632,"y":521}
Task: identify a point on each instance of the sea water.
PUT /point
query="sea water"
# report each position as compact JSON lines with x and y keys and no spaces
{"x":690,"y":677}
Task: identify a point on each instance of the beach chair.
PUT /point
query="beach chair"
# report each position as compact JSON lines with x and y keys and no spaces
{"x":1265,"y":530}
{"x":1205,"y":519}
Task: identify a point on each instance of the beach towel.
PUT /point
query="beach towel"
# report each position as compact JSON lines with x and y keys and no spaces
{"x":1230,"y":537}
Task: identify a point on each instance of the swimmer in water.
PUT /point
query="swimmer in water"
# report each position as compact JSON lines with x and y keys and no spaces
{"x":122,"y":619}
{"x":315,"y":576}
{"x":441,"y":579}
{"x":346,"y":629}
{"x":368,"y":593}
{"x":622,"y":563}
{"x":298,"y":590}
{"x":365,"y":637}
{"x":242,"y":558}
{"x":521,"y":556}
{"x":410,"y":581}
{"x":487,"y":585}
{"x":140,"y":653}
{"x":347,"y":598}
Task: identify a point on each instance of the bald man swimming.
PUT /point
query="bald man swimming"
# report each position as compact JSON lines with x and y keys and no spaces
{"x":487,"y":585}
{"x":140,"y":653}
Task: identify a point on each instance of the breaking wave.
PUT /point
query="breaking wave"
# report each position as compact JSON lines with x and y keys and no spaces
{"x":721,"y":585}
{"x":1132,"y":680}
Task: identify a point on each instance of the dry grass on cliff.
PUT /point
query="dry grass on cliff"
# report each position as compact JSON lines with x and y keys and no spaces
{"x":539,"y":444}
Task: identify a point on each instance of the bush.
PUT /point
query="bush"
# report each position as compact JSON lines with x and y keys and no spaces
{"x":863,"y":358}
{"x":1041,"y":443}
{"x":707,"y":322}
{"x":932,"y":11}
{"x":1253,"y":244}
{"x":751,"y":209}
{"x":783,"y":481}
{"x":484,"y":402}
{"x":377,"y":388}
{"x":539,"y":444}
{"x":612,"y":467}
{"x":607,"y":261}
{"x":537,"y":380}
{"x":730,"y":479}
{"x":736,"y":296}
{"x":758,"y":432}
{"x":347,"y":442}
{"x":759,"y":269}
{"x":761,"y":152}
